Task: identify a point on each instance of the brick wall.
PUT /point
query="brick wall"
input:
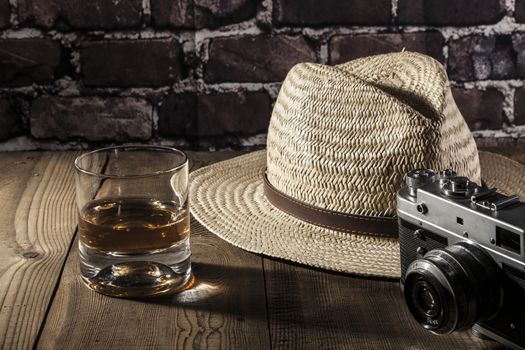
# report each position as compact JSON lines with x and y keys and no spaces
{"x":205,"y":73}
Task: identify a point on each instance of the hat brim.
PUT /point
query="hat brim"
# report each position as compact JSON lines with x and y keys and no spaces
{"x":227,"y":198}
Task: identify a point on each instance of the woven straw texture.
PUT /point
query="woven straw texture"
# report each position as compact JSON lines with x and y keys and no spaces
{"x":227,"y":198}
{"x":503,"y":173}
{"x":340,"y":138}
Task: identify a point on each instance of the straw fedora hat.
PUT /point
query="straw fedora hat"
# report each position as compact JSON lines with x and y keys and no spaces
{"x":340,"y":140}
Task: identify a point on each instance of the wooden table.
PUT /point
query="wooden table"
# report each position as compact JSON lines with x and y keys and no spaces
{"x":241,"y":301}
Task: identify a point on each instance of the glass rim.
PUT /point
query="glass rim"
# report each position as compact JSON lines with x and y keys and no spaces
{"x":79,"y":168}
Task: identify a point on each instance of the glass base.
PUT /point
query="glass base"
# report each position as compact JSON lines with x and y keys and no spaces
{"x":137,"y":275}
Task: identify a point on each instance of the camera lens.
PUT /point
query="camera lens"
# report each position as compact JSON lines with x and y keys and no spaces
{"x":450,"y":289}
{"x":425,"y":299}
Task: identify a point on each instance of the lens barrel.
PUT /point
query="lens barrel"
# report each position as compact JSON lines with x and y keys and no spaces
{"x":450,"y":289}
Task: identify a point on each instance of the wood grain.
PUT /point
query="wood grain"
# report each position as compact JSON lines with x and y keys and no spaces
{"x":309,"y":309}
{"x":225,"y":310}
{"x":37,"y":222}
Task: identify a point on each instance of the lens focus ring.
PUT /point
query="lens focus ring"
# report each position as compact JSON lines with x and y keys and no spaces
{"x":442,"y":316}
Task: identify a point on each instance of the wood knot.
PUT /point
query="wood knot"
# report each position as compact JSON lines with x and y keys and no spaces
{"x":31,"y":255}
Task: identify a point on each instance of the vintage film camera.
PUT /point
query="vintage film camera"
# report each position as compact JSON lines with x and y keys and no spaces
{"x":462,"y":256}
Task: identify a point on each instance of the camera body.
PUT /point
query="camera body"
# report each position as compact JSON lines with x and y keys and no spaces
{"x":462,"y":254}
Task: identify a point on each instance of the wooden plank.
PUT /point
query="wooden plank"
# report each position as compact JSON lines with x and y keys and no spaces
{"x":225,"y":310}
{"x":311,"y":309}
{"x":37,"y":222}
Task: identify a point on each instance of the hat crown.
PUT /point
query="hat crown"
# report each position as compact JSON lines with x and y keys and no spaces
{"x":341,"y":138}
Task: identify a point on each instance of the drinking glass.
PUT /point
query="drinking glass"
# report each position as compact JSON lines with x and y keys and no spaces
{"x":134,"y":220}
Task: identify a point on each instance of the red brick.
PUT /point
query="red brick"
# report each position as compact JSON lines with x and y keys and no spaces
{"x":200,"y":13}
{"x":255,"y":58}
{"x":127,"y":63}
{"x":481,"y":109}
{"x":217,"y":114}
{"x":347,"y":47}
{"x":518,"y":44}
{"x":91,"y":118}
{"x":329,"y":12}
{"x":519,"y":12}
{"x":30,"y":61}
{"x":519,"y":106}
{"x":450,"y":12}
{"x":178,"y":114}
{"x":173,"y":13}
{"x":91,"y":14}
{"x":9,"y":121}
{"x":479,"y":58}
{"x":5,"y":15}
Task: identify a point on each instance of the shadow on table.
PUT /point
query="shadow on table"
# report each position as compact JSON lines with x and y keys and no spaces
{"x":301,"y":295}
{"x":223,"y":290}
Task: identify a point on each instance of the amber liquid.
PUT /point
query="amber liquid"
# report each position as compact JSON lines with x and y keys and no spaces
{"x":132,"y":225}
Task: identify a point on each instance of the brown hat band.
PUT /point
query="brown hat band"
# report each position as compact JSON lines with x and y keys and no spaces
{"x":367,"y":225}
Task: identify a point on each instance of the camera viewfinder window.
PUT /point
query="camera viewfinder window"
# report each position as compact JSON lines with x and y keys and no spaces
{"x":508,"y":240}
